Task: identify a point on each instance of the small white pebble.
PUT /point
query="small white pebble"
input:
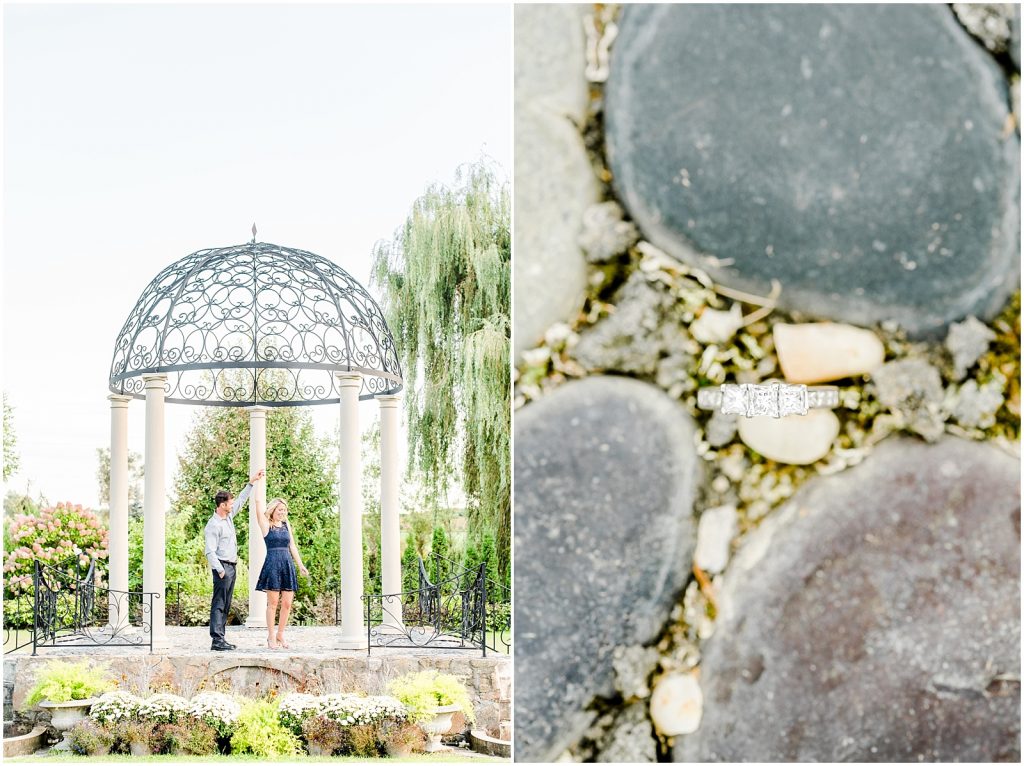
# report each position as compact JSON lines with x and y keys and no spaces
{"x":677,"y":704}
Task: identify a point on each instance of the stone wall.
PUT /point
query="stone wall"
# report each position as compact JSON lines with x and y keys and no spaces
{"x":487,"y":678}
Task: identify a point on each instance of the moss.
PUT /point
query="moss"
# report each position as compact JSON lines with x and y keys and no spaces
{"x":1003,"y":358}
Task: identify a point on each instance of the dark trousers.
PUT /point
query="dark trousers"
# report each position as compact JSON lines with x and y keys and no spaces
{"x":223,"y":590}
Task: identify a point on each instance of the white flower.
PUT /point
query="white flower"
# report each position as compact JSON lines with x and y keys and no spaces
{"x":343,"y":708}
{"x":352,"y":709}
{"x":294,"y":708}
{"x":217,"y":709}
{"x":114,"y":706}
{"x":297,"y":704}
{"x":163,"y":708}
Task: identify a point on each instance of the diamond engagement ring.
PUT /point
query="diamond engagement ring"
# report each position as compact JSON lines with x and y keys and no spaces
{"x":773,"y":399}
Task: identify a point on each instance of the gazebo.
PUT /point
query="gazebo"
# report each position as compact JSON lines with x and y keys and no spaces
{"x":255,"y":326}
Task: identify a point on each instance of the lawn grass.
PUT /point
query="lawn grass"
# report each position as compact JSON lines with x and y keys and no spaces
{"x":16,"y":636}
{"x":447,"y":756}
{"x":494,"y":639}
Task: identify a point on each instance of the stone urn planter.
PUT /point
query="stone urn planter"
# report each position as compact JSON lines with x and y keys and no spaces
{"x":438,"y":725}
{"x":316,"y":749}
{"x":65,"y":715}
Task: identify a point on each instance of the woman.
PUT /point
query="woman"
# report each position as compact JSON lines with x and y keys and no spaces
{"x":277,"y":578}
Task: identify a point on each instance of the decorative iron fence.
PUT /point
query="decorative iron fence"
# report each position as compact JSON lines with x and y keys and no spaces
{"x":65,"y":608}
{"x":456,"y":612}
{"x":463,"y":609}
{"x":498,"y":600}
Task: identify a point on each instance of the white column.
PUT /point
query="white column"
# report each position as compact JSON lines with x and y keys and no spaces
{"x":257,"y":548}
{"x":155,"y":511}
{"x":117,"y":580}
{"x":353,"y":627}
{"x":390,"y":530}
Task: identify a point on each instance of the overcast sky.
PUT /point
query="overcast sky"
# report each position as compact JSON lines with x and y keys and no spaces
{"x":135,"y":135}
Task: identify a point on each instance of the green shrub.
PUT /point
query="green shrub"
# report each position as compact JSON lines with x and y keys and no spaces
{"x":499,"y":617}
{"x":422,"y":692}
{"x":201,"y":739}
{"x":437,"y":567}
{"x":143,"y":732}
{"x":169,"y":738}
{"x":118,"y":734}
{"x":191,"y":738}
{"x":401,"y":734}
{"x":364,"y":741}
{"x":410,"y":566}
{"x":89,"y":738}
{"x":260,"y":733}
{"x":330,"y":735}
{"x":62,"y":681}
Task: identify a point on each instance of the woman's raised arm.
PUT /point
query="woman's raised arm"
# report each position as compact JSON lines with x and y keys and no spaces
{"x":261,"y":517}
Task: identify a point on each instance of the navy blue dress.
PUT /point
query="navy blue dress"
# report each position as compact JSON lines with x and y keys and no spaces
{"x":278,"y":571}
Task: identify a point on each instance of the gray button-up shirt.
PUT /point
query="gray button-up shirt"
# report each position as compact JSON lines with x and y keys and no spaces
{"x":221,"y":540}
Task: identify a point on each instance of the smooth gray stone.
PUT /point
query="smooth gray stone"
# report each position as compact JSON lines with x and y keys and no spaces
{"x":550,"y":59}
{"x":855,"y":153}
{"x":875,"y":617}
{"x":554,"y":179}
{"x":605,"y":470}
{"x":555,"y":184}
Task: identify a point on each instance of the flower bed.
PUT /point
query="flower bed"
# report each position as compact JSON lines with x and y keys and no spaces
{"x":211,"y":722}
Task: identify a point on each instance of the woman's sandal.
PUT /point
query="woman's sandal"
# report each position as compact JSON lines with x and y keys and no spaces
{"x":270,"y":645}
{"x":282,"y":643}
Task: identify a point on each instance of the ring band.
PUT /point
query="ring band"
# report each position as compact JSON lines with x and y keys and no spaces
{"x":776,"y":400}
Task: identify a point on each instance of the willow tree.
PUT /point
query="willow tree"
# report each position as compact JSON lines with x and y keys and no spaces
{"x":447,"y":291}
{"x":11,"y":459}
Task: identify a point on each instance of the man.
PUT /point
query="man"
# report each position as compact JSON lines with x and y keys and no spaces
{"x":222,"y":553}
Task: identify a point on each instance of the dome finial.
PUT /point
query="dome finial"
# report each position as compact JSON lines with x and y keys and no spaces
{"x":254,"y":232}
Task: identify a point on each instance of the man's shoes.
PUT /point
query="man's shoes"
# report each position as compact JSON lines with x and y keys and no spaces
{"x":221,"y":646}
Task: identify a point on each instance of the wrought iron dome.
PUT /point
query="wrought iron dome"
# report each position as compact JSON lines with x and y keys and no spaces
{"x":255,"y":324}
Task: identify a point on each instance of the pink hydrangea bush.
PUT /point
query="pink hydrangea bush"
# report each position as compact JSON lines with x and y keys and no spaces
{"x":67,"y":535}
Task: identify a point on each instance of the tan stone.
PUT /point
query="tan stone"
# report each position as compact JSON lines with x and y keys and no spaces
{"x":796,"y":440}
{"x":824,"y":351}
{"x":677,"y":704}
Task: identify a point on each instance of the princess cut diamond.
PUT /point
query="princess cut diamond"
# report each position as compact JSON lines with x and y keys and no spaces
{"x":763,"y":400}
{"x":734,"y":401}
{"x":792,"y":400}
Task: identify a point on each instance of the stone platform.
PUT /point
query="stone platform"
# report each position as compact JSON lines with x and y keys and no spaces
{"x":312,"y":664}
